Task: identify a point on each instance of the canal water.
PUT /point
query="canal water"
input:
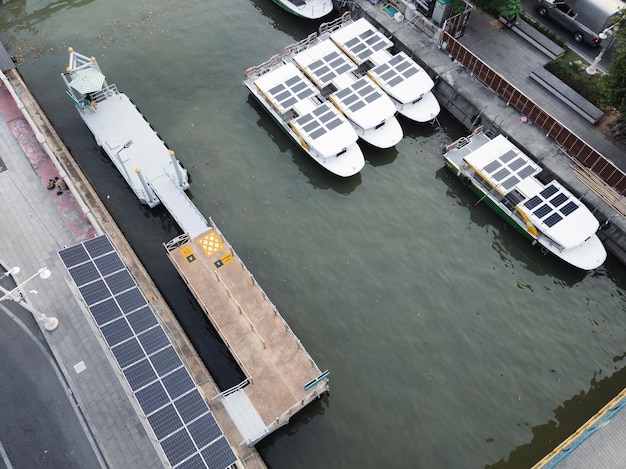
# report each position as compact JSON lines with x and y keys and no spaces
{"x":450,"y":341}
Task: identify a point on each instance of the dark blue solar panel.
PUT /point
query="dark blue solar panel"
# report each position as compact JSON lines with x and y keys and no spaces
{"x":193,"y":463}
{"x":178,"y":383}
{"x":131,"y":300}
{"x":219,"y":454}
{"x":165,"y":421}
{"x":204,"y":430}
{"x":559,"y":199}
{"x":109,"y":263}
{"x":532,"y":203}
{"x":128,"y":352}
{"x":116,"y":331}
{"x":152,"y":397}
{"x":569,"y":208}
{"x":105,"y":311}
{"x":191,"y":406}
{"x":179,"y":446}
{"x":142,"y":319}
{"x":166,"y":360}
{"x":553,"y":219}
{"x":74,"y":255}
{"x":153,"y":339}
{"x":119,"y":282}
{"x":98,"y":246}
{"x":94,"y":292}
{"x":548,"y":192}
{"x":84,"y":273}
{"x":139,"y":374}
{"x":542,"y":211}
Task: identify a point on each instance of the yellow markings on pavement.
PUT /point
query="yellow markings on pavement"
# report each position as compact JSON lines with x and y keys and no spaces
{"x":188,"y":254}
{"x":211,"y":243}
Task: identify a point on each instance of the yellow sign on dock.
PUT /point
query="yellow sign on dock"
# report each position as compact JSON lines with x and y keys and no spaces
{"x":211,"y":243}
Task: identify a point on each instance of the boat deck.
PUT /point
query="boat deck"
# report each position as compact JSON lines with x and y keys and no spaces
{"x":282,"y":377}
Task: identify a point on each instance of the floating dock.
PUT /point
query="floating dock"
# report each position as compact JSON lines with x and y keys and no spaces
{"x":281,"y":377}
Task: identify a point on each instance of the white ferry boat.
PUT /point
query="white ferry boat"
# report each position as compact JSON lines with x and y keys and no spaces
{"x":303,"y":113}
{"x":408,"y":84}
{"x":309,"y":9}
{"x":504,"y":178}
{"x":367,"y":107}
{"x":149,"y":167}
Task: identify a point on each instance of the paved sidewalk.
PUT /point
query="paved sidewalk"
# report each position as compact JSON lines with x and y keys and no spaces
{"x":36,"y":224}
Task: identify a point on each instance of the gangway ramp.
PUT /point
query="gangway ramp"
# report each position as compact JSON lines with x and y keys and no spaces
{"x":182,"y":209}
{"x":282,"y":378}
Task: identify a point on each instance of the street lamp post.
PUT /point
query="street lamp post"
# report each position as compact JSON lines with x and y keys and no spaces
{"x":593,"y":68}
{"x":49,"y":323}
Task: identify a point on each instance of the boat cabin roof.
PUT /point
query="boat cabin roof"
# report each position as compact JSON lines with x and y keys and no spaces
{"x":556,"y":212}
{"x":285,"y":86}
{"x":502,"y":164}
{"x":325,"y":129}
{"x":324,"y":62}
{"x":359,"y":40}
{"x":364,"y":103}
{"x":402,"y":78}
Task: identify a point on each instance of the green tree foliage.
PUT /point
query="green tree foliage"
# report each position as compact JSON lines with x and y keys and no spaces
{"x":615,"y":80}
{"x":511,"y":9}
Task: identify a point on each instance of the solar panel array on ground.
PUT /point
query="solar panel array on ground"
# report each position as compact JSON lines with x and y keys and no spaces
{"x":176,"y":411}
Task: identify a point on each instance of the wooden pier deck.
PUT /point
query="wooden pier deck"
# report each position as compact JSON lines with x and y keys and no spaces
{"x":282,"y":378}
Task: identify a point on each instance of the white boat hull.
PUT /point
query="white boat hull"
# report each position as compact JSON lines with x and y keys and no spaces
{"x":385,"y":136}
{"x":309,"y":9}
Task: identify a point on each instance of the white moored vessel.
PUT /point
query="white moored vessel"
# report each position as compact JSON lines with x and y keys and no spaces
{"x":408,"y":84}
{"x":310,"y":120}
{"x":309,"y":9}
{"x":149,"y":167}
{"x":367,"y":107}
{"x":504,"y":178}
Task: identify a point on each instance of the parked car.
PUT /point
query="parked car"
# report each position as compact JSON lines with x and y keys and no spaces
{"x":586,"y":19}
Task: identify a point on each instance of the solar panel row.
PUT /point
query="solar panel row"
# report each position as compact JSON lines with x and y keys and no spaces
{"x":396,"y":70}
{"x":551,"y":205}
{"x":176,"y":411}
{"x":366,"y":43}
{"x":509,"y":169}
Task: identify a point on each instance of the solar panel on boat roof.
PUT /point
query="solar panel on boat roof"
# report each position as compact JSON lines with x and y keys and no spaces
{"x":509,"y":169}
{"x":396,"y":70}
{"x":550,"y":205}
{"x":330,"y":66}
{"x":366,"y":43}
{"x":291,"y":91}
{"x":175,"y":409}
{"x":319,"y":122}
{"x":357,"y":95}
